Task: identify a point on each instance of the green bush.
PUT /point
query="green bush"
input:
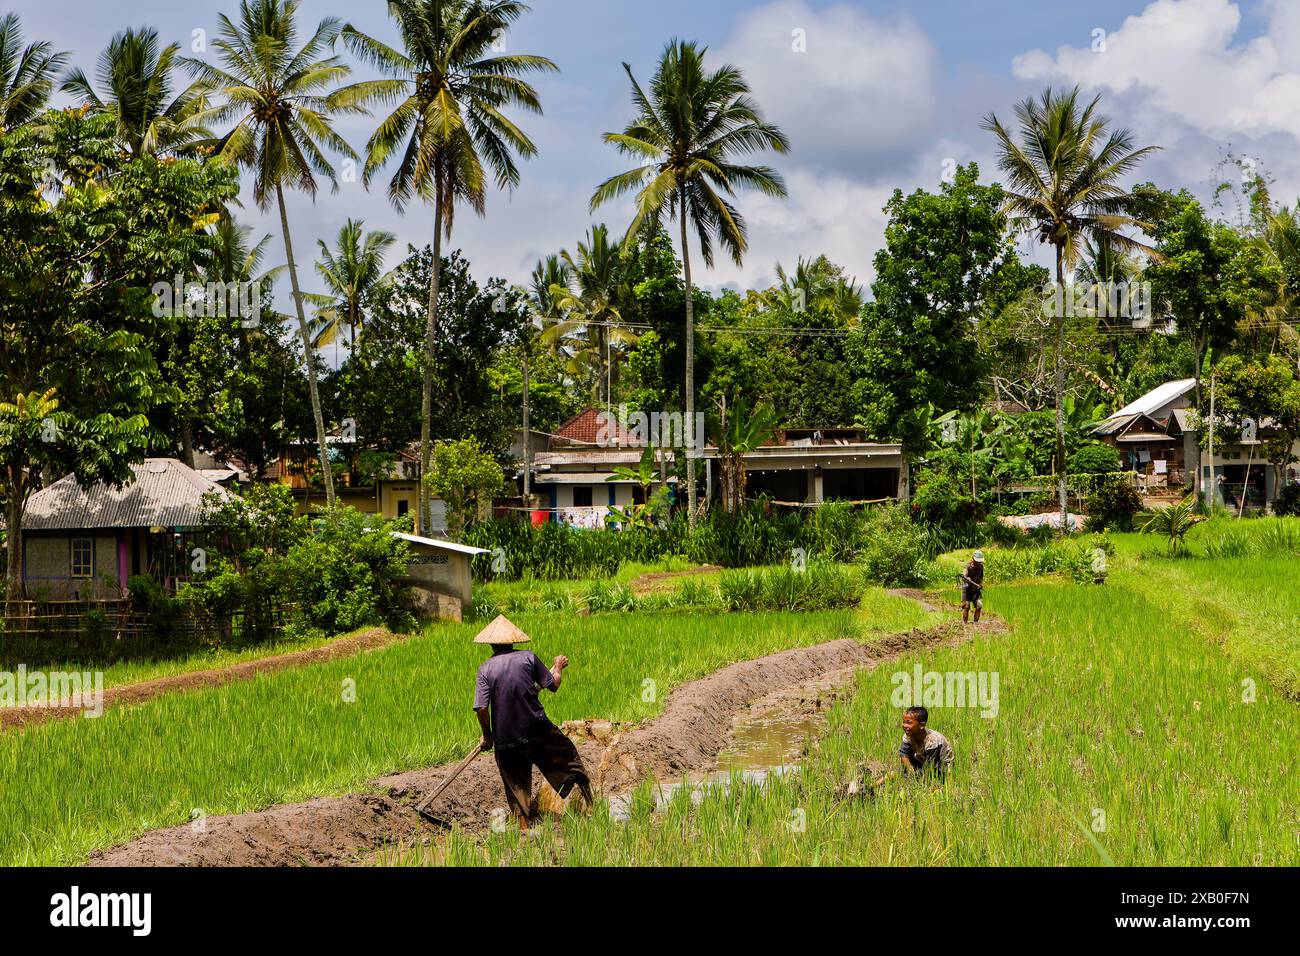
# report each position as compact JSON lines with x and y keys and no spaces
{"x":1112,"y":503}
{"x":1288,"y":502}
{"x":1095,"y":459}
{"x":897,"y":548}
{"x":348,"y":575}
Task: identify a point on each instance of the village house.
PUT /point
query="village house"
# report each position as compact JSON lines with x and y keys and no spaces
{"x":576,"y":475}
{"x":1159,"y":437}
{"x":88,"y":542}
{"x":1140,"y":431}
{"x":809,"y":466}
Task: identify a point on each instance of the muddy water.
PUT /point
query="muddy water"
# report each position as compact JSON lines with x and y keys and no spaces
{"x":769,"y":739}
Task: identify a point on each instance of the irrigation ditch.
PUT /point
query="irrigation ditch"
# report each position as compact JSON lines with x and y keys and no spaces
{"x":753,"y":717}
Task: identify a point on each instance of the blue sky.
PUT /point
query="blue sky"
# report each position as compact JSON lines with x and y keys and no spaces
{"x":884,"y":96}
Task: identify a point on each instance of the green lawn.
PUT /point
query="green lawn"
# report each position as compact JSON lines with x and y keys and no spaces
{"x":74,"y":786}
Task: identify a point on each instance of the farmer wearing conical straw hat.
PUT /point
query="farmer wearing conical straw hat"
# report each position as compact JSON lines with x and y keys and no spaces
{"x":514,"y":723}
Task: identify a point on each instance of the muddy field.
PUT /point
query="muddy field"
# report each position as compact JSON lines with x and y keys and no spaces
{"x":696,"y":725}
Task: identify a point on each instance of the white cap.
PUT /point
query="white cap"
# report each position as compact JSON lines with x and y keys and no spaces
{"x":979,"y":557}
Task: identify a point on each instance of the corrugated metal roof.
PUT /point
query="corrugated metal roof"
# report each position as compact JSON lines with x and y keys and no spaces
{"x":162,"y":492}
{"x":1157,"y":398}
{"x":439,"y":543}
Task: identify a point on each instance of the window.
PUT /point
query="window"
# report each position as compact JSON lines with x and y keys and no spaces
{"x":638,"y":495}
{"x":83,"y":557}
{"x":581,"y":496}
{"x":403,"y":507}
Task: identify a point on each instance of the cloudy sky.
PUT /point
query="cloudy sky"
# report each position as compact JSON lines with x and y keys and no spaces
{"x":878,"y":95}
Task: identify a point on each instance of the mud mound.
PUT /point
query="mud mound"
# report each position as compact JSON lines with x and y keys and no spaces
{"x":17,"y":717}
{"x":662,"y":580}
{"x":694,"y":727}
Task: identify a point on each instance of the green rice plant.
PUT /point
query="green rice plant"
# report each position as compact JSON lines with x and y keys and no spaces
{"x":1114,"y":747}
{"x":332,"y":727}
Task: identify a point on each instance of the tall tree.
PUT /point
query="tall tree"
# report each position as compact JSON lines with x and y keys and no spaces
{"x":351,"y":271}
{"x":591,"y":294}
{"x":27,"y":73}
{"x":686,"y":133}
{"x":276,"y":92}
{"x":135,"y":78}
{"x":946,"y":258}
{"x":1065,"y":169}
{"x":452,"y":81}
{"x":78,"y":376}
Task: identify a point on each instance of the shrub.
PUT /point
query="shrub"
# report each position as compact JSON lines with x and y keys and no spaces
{"x":348,"y":575}
{"x":1112,"y":503}
{"x":1094,"y":459}
{"x":897,"y":548}
{"x":1288,"y":502}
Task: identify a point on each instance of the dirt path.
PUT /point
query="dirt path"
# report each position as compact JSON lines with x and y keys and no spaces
{"x":19,"y":717}
{"x":655,"y":581}
{"x":695,"y":725}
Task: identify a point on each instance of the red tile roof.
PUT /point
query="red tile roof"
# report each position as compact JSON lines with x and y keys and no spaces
{"x":591,"y":428}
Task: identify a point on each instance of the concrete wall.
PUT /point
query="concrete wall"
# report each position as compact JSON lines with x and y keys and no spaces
{"x":48,"y":565}
{"x":436,"y":573}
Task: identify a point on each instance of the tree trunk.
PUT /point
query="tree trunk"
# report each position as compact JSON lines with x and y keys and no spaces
{"x":430,"y":345}
{"x":14,"y":536}
{"x":308,"y":355}
{"x":1062,"y":483}
{"x":689,"y":430}
{"x":187,"y":443}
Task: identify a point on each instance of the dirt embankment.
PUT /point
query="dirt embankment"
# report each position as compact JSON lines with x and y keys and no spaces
{"x":654,"y":581}
{"x":17,"y":717}
{"x":686,"y":738}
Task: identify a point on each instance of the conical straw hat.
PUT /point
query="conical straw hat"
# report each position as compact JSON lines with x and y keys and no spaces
{"x":501,"y":631}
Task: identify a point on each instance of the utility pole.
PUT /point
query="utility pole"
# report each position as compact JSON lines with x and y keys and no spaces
{"x":1214,"y":489}
{"x":528,"y":443}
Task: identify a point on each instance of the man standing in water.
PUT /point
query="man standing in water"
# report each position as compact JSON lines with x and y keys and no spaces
{"x":972,"y":588}
{"x":515,"y":725}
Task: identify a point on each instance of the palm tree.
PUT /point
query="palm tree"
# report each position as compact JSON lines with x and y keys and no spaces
{"x":742,"y":431}
{"x":542,"y":307}
{"x":452,"y":83}
{"x":277,"y":97}
{"x":350,"y":271}
{"x":1063,"y":182}
{"x":136,"y":79}
{"x":592,"y":297}
{"x":687,"y":130}
{"x":27,"y":74}
{"x":817,"y":285}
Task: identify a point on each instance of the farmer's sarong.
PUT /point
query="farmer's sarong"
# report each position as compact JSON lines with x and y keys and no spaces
{"x":550,"y":752}
{"x":973,"y":597}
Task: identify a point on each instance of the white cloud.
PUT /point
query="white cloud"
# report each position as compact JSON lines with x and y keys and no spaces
{"x":1181,"y":58}
{"x":846,"y":87}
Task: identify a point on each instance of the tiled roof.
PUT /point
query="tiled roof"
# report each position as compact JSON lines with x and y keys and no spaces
{"x":162,"y":492}
{"x":591,"y":428}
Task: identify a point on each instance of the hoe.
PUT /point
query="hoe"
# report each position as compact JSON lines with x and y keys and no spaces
{"x":422,"y":808}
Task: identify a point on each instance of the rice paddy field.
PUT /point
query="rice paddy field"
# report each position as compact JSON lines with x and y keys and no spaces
{"x":1147,"y":721}
{"x":330,"y":728}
